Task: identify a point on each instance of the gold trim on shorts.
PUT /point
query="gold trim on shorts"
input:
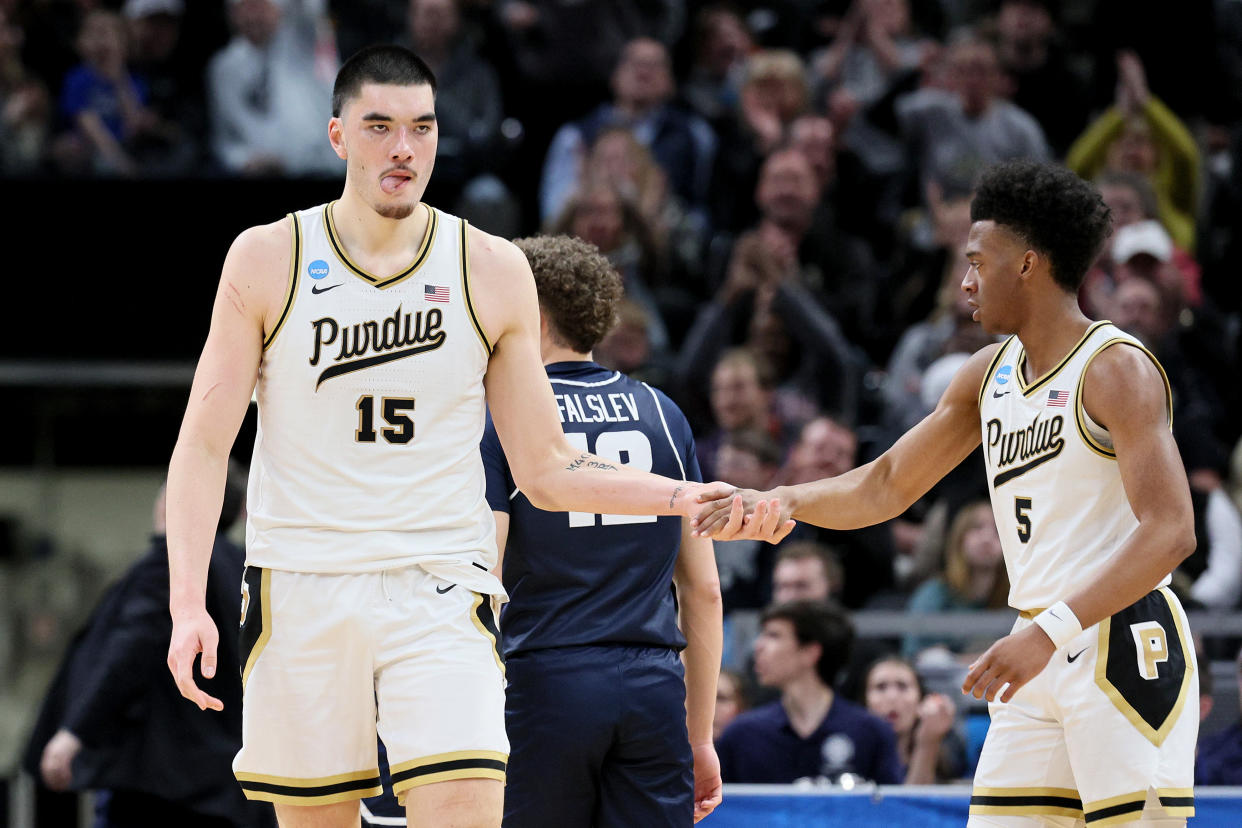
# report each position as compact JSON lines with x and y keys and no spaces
{"x":325,"y":790}
{"x":1176,"y":802}
{"x":1026,"y":801}
{"x":484,"y":618}
{"x":443,"y":767}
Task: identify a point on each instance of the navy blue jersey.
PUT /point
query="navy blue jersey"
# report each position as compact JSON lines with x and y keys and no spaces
{"x":578,"y":578}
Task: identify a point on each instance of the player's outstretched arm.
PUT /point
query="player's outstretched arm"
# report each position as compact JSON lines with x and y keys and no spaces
{"x":255,"y":271}
{"x":701,"y":620}
{"x":1125,"y":393}
{"x":885,"y":487}
{"x":551,"y":473}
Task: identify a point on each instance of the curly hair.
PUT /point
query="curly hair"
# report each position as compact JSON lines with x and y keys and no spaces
{"x":578,"y":289}
{"x":1051,"y":209}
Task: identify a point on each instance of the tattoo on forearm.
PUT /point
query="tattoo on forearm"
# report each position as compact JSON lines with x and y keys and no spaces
{"x":590,"y":462}
{"x":673,"y":500}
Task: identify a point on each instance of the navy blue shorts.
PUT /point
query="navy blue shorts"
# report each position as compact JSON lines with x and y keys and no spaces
{"x":598,"y":738}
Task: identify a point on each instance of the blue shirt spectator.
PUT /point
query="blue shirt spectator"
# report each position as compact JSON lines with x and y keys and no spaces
{"x":761,"y":746}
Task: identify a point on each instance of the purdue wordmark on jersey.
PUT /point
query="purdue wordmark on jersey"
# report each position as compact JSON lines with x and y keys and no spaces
{"x":370,"y":412}
{"x":1056,"y":490}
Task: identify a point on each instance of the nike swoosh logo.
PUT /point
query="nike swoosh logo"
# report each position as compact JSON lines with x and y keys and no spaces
{"x":1072,"y":658}
{"x":445,"y":589}
{"x":995,"y":394}
{"x":318,"y":289}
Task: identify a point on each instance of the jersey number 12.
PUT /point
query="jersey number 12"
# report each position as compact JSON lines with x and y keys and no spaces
{"x":629,"y":448}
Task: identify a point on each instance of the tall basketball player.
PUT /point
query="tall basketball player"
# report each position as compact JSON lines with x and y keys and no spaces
{"x":1093,"y":695}
{"x":372,"y":328}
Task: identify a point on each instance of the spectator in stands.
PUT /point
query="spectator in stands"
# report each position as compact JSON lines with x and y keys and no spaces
{"x":1132,"y":202}
{"x":1139,"y":134}
{"x":743,"y":397}
{"x":619,"y":159}
{"x":103,"y":103}
{"x":174,"y":84}
{"x":604,"y":216}
{"x":643,"y":88}
{"x":774,"y":93}
{"x":810,"y":732}
{"x":731,"y":699}
{"x":874,"y":44}
{"x":270,"y":90}
{"x":469,"y":110}
{"x":797,"y":290}
{"x":114,"y":720}
{"x":974,"y":578}
{"x":627,"y":347}
{"x":1034,"y":59}
{"x":721,"y":46}
{"x":806,"y":571}
{"x":745,"y":566}
{"x":955,"y":132}
{"x":828,"y":448}
{"x":928,"y":745}
{"x":1219,"y":761}
{"x":24,"y":107}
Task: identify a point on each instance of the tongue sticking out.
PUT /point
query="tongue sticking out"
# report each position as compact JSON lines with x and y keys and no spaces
{"x":392,"y":183}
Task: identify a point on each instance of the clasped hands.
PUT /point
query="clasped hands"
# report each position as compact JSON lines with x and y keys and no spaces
{"x":728,"y":514}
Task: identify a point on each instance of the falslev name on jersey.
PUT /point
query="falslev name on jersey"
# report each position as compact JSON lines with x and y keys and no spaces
{"x":1034,"y":445}
{"x":597,"y":408}
{"x":386,"y":340}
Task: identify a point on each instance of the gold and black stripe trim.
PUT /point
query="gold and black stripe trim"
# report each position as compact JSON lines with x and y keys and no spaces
{"x":462,"y":764}
{"x":322,"y":791}
{"x":1027,"y":390}
{"x":1080,"y":411}
{"x":1115,"y":809}
{"x":424,"y":251}
{"x":1177,"y":802}
{"x":1026,"y":801}
{"x":465,"y":285}
{"x":291,"y":290}
{"x":484,"y":619}
{"x":996,"y":360}
{"x":256,"y":629}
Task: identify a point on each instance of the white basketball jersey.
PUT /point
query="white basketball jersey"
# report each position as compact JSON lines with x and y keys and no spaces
{"x":371,"y":408}
{"x":1056,"y":490}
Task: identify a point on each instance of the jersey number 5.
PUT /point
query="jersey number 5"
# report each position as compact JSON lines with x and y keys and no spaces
{"x":401,"y":427}
{"x":1021,"y":505}
{"x":629,"y":448}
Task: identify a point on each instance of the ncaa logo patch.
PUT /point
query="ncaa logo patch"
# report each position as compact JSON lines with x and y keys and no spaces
{"x":1002,"y":376}
{"x":317,"y":269}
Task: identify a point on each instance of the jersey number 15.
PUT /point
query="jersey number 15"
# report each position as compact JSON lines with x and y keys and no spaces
{"x":629,"y":448}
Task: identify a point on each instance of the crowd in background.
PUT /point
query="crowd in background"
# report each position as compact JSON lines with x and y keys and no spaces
{"x":784,"y":186}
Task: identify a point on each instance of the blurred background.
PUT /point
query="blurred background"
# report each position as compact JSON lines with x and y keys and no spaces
{"x":783,"y":184}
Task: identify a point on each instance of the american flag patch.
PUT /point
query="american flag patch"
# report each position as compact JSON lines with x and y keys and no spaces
{"x":435,"y":293}
{"x":1057,"y":399}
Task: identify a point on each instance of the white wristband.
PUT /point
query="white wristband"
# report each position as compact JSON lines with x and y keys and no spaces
{"x":1060,"y":623}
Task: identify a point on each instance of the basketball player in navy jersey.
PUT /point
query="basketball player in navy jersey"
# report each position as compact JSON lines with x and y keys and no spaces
{"x":1094,"y":695}
{"x":369,"y":330}
{"x":605,"y":726}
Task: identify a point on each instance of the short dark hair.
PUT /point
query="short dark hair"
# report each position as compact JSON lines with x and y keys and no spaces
{"x":817,"y":622}
{"x":578,"y":288}
{"x":1051,"y":209}
{"x":382,"y":63}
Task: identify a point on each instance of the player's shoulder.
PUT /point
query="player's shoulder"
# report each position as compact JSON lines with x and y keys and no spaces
{"x":966,"y":386}
{"x":668,"y":407}
{"x":1123,"y":376}
{"x":493,"y":252}
{"x":265,"y":244}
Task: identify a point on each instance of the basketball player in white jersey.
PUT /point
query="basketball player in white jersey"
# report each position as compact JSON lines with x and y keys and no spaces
{"x":1093,"y":695}
{"x":370,"y":329}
